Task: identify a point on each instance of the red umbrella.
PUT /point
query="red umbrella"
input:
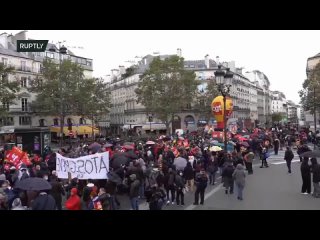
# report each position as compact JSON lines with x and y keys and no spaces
{"x":128,"y":147}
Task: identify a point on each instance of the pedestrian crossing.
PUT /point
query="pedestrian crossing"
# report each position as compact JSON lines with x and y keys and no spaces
{"x":279,"y":159}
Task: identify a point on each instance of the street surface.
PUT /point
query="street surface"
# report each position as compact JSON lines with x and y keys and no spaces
{"x":267,"y":189}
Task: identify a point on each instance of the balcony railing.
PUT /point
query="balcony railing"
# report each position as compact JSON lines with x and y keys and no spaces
{"x":23,"y":68}
{"x":20,"y":110}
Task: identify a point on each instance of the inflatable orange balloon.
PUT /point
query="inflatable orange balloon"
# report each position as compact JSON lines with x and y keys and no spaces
{"x":217,"y":108}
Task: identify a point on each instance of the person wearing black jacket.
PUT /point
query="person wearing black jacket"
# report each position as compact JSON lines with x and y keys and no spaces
{"x":170,"y":185}
{"x":315,"y":167}
{"x":276,"y":144}
{"x":180,"y":184}
{"x":57,"y":191}
{"x":201,"y":183}
{"x":105,"y":199}
{"x":44,"y":201}
{"x":157,"y":199}
{"x":288,"y":156}
{"x":188,"y":174}
{"x":227,"y":178}
{"x":306,"y":177}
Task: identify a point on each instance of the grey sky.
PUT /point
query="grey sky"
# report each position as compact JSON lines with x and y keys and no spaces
{"x":280,"y":54}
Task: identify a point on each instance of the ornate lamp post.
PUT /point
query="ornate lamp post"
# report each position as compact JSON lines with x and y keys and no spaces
{"x":224,"y":80}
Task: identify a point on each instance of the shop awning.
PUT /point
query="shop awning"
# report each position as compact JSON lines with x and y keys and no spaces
{"x":154,"y":126}
{"x":78,"y":130}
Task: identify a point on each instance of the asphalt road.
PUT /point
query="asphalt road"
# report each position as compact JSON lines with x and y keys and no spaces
{"x":267,"y":189}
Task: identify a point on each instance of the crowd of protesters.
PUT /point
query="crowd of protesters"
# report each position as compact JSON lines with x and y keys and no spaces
{"x":161,"y":172}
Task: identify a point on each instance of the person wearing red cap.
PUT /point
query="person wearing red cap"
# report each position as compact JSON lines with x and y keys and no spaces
{"x":74,"y":201}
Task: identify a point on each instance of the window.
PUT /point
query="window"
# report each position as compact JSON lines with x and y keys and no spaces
{"x":5,"y":61}
{"x":41,"y":123}
{"x":5,"y":106}
{"x":40,"y":82}
{"x":8,"y":121}
{"x":89,"y":63}
{"x":24,"y":104}
{"x":50,"y":54}
{"x":5,"y":78}
{"x":191,"y":65}
{"x":23,"y":82}
{"x":56,"y":121}
{"x":69,"y":121}
{"x":24,"y":120}
{"x":82,"y":121}
{"x":23,"y":65}
{"x":188,"y":106}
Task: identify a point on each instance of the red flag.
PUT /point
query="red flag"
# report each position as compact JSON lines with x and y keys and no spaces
{"x":25,"y":159}
{"x":15,"y":156}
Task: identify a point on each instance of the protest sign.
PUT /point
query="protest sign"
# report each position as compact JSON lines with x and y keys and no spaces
{"x":95,"y":166}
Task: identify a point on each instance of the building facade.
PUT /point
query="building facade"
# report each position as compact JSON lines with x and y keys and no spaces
{"x":292,"y":112}
{"x":27,"y":67}
{"x":264,"y":96}
{"x":278,"y":103}
{"x":251,"y":99}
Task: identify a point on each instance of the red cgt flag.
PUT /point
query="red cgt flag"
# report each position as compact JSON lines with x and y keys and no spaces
{"x":15,"y":157}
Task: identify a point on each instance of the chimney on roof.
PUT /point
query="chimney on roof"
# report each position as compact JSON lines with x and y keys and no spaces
{"x":206,"y":61}
{"x":122,"y":69}
{"x":179,"y":52}
{"x":4,"y":40}
{"x":114,"y":71}
{"x":21,"y":36}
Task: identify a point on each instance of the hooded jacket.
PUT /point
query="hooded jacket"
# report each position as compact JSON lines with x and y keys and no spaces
{"x":239,"y":175}
{"x":44,"y":202}
{"x":74,"y":201}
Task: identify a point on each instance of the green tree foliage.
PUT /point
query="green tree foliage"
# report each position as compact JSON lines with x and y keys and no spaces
{"x":204,"y":99}
{"x":276,"y":117}
{"x":67,"y":85}
{"x":166,"y":87}
{"x":310,"y":93}
{"x":93,"y":98}
{"x":8,"y":89}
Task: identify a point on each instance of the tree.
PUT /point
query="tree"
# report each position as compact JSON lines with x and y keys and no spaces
{"x":204,"y":99}
{"x":166,"y":87}
{"x":8,"y":89}
{"x":63,"y":90}
{"x":310,"y":94}
{"x":276,"y":117}
{"x":93,"y":99}
{"x":129,"y":71}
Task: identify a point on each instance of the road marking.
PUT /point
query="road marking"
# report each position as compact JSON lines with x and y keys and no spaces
{"x":213,"y":191}
{"x":283,"y":162}
{"x":209,"y":194}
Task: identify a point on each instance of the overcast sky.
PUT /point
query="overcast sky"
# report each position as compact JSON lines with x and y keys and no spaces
{"x":280,"y":54}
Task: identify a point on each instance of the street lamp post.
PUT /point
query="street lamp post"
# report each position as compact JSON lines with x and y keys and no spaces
{"x":62,"y":50}
{"x":224,"y":80}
